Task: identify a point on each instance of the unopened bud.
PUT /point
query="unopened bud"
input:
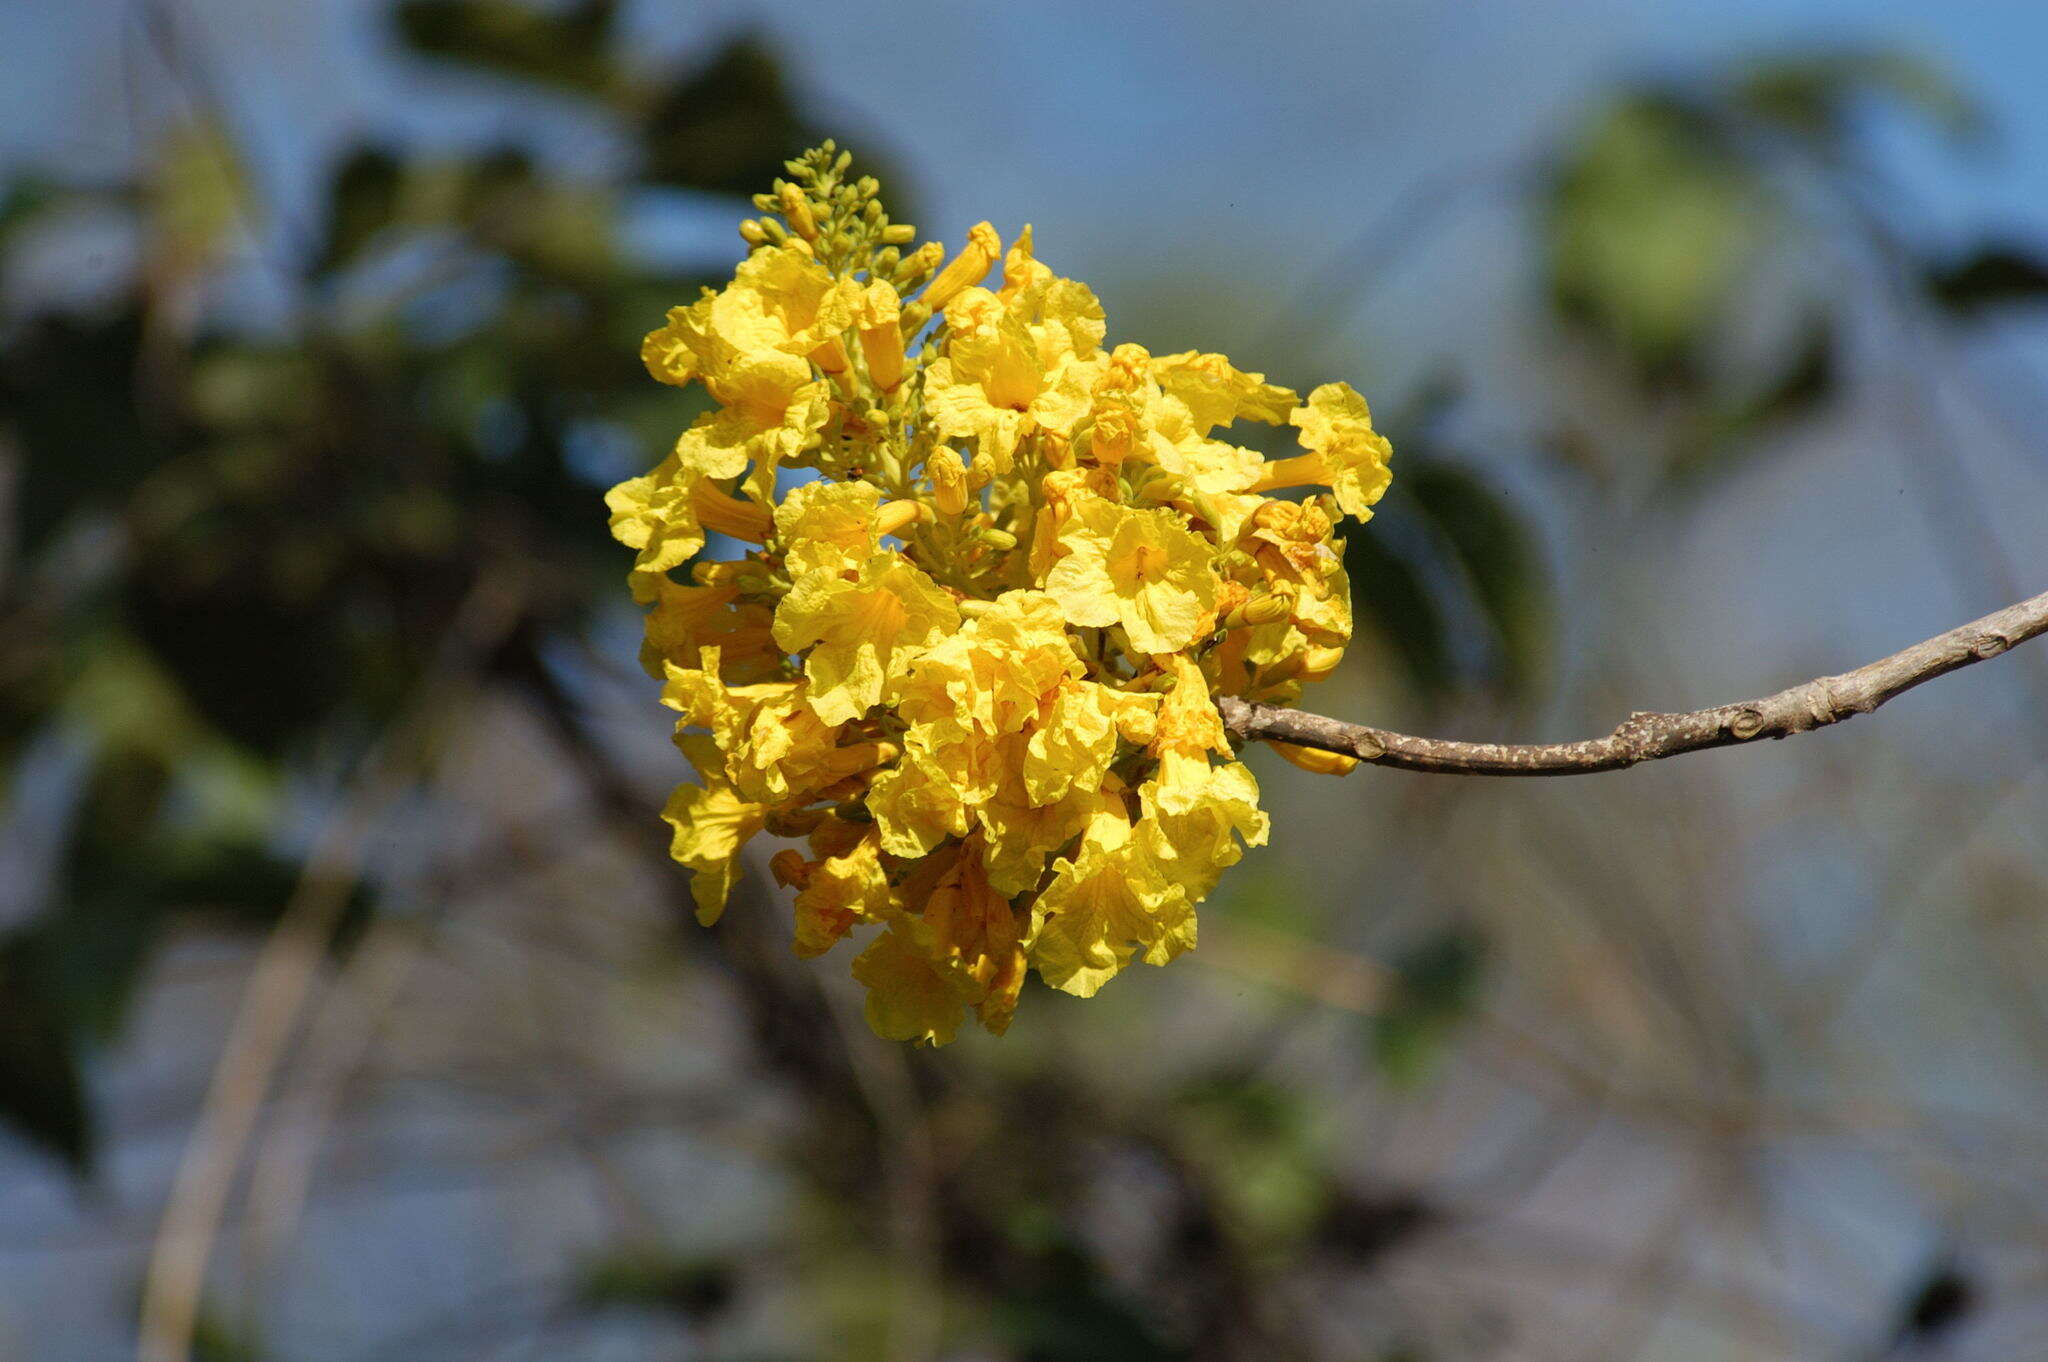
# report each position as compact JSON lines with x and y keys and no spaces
{"x":898,"y":514}
{"x":1267,"y":608}
{"x":920,"y":263}
{"x":949,"y":481}
{"x":751,"y":233}
{"x":966,"y":269}
{"x":789,"y":868}
{"x":1314,"y":759}
{"x":831,"y":356}
{"x":1319,"y":662}
{"x":898,"y":234}
{"x":797,"y":209}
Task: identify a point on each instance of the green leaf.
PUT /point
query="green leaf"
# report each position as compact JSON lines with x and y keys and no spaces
{"x":362,"y":201}
{"x":646,"y":1279}
{"x":1438,"y":991}
{"x":66,"y":386}
{"x":1499,"y":560}
{"x":1071,"y":1312}
{"x":1995,"y":275}
{"x":1815,"y":96}
{"x":215,"y":1340}
{"x":22,"y":200}
{"x":567,"y":46}
{"x":1388,"y":591}
{"x":1721,"y":439}
{"x":727,"y":128}
{"x":1647,"y":220}
{"x":42,"y":1090}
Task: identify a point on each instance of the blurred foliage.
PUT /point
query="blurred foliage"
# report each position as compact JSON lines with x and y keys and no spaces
{"x":1451,"y":572}
{"x":1439,"y":983}
{"x":648,"y":1279}
{"x":1694,"y":236}
{"x":234,"y":548}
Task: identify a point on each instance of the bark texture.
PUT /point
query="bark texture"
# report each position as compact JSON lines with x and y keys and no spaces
{"x":1649,"y":736}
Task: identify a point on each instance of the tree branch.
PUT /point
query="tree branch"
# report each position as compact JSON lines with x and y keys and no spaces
{"x":1650,"y":737}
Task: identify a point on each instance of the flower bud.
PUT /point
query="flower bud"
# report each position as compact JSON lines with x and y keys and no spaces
{"x":896,"y":515}
{"x":1315,"y":760}
{"x":1266,"y":608}
{"x":919,"y":264}
{"x":797,"y":209}
{"x":1317,"y":663}
{"x":790,"y":869}
{"x":966,"y":269}
{"x":949,"y":480}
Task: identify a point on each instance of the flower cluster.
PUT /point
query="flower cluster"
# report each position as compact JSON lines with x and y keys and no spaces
{"x":970,"y":656}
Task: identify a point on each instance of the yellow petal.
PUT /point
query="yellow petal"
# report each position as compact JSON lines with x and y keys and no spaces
{"x":711,"y":824}
{"x":863,"y":632}
{"x":910,"y":997}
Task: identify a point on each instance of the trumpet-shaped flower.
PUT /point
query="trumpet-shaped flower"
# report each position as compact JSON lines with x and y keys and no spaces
{"x":861,"y":632}
{"x":1105,"y":906}
{"x":1142,"y":569}
{"x":1345,"y":452}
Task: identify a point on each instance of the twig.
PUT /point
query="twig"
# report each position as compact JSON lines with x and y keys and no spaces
{"x":282,"y":977}
{"x":1648,"y":736}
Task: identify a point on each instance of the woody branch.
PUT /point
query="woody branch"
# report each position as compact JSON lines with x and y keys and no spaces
{"x":1647,"y":736}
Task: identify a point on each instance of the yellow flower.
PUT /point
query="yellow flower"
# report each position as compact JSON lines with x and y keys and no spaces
{"x":828,"y":526}
{"x":964,"y":270}
{"x":910,"y":995}
{"x":1190,"y":829}
{"x":847,"y":886}
{"x":711,"y":824}
{"x":1023,"y":834}
{"x":972,"y":931}
{"x":1104,"y":906}
{"x":1346,"y":453}
{"x":861,"y":632}
{"x":724,"y":442}
{"x":656,"y":515}
{"x":1216,"y":393}
{"x":994,"y":385}
{"x":993,"y":672}
{"x":752,"y":346}
{"x":916,"y":805}
{"x":684,"y":620}
{"x":1188,"y":731}
{"x":751,"y":340}
{"x":880,"y":319}
{"x":1142,"y":569}
{"x":977,"y":662}
{"x":1075,"y":742}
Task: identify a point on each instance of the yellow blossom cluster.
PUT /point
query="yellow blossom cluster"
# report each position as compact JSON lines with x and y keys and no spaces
{"x":969,"y":655}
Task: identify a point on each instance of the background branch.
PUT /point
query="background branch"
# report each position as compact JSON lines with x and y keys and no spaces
{"x":1648,"y":736}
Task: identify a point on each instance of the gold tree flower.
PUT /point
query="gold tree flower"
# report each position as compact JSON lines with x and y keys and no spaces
{"x":991,"y":579}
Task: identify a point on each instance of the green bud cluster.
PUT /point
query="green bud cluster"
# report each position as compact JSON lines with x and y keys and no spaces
{"x":841,"y":219}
